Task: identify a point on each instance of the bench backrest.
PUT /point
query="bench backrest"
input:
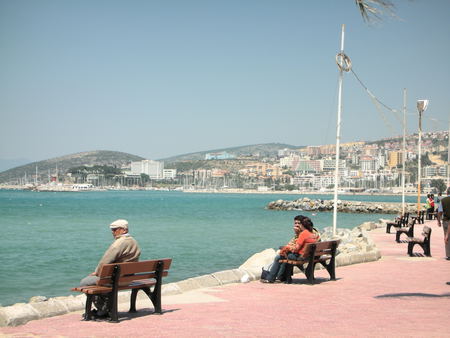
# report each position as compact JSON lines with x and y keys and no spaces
{"x":131,"y":271}
{"x":411,"y":222}
{"x":426,"y":232}
{"x":405,"y":218}
{"x":321,"y":248}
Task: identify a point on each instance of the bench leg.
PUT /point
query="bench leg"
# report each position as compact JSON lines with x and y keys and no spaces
{"x":410,"y":248}
{"x":331,"y":268}
{"x":155,"y":297}
{"x":134,"y":293}
{"x":154,"y":300}
{"x":88,"y":308}
{"x":427,"y":250}
{"x":309,"y":272}
{"x":288,"y":273}
{"x":113,"y":308}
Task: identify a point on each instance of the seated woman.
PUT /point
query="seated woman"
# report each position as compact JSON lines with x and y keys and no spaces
{"x":307,"y":235}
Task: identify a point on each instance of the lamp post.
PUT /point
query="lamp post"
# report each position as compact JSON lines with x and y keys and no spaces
{"x":421,"y":107}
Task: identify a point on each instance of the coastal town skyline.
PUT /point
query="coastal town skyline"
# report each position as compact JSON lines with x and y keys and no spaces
{"x":363,"y":167}
{"x":158,"y":80}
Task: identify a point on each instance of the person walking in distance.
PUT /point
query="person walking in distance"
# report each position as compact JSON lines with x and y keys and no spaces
{"x":443,"y":219}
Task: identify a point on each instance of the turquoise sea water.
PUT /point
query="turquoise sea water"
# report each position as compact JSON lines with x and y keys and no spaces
{"x":51,"y":240}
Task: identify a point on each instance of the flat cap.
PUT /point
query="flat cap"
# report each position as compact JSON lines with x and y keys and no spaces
{"x":120,"y":223}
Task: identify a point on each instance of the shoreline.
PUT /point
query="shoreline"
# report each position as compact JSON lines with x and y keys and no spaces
{"x":356,"y":247}
{"x":205,"y":191}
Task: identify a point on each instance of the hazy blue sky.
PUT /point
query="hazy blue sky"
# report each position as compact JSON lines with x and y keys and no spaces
{"x":162,"y":78}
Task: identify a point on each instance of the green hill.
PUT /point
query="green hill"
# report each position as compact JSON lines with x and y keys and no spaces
{"x":118,"y":159}
{"x":266,"y":149}
{"x":63,"y":163}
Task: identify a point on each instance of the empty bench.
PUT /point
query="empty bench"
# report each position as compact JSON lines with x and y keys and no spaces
{"x":408,"y":231}
{"x":420,"y":217}
{"x":124,"y":276}
{"x":398,"y":222}
{"x":320,"y":252}
{"x":423,"y":242}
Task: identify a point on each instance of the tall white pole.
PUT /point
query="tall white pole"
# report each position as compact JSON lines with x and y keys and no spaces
{"x":338,"y":135}
{"x":404,"y":151}
{"x":419,"y":162}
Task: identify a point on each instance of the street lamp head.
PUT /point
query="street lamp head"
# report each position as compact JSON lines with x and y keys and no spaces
{"x":422,"y":105}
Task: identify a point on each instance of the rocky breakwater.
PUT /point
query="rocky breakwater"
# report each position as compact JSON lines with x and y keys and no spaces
{"x":306,"y":204}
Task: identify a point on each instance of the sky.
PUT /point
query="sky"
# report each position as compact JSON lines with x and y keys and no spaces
{"x":163,"y":78}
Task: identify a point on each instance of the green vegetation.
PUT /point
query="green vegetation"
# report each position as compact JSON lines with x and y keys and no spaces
{"x":62,"y":164}
{"x":439,"y":185}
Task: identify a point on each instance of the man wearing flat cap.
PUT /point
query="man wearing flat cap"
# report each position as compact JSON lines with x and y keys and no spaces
{"x":123,"y":249}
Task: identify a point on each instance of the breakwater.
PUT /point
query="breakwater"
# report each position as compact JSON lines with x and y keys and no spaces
{"x":306,"y":204}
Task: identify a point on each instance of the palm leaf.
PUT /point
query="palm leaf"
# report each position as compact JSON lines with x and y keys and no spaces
{"x":373,"y":9}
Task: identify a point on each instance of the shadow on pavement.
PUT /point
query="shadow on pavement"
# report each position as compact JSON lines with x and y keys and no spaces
{"x":412,"y":294}
{"x":300,"y":281}
{"x":123,"y":316}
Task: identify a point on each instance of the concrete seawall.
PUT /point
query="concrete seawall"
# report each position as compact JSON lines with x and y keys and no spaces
{"x":356,"y":247}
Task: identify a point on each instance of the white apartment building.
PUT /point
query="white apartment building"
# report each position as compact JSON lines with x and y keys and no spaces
{"x":154,"y":169}
{"x":442,"y":171}
{"x":369,"y":163}
{"x":323,"y":182}
{"x":330,"y":164}
{"x":430,"y":171}
{"x":290,"y":161}
{"x":309,"y":166}
{"x":169,"y":173}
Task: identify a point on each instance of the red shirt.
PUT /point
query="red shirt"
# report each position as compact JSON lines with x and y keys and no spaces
{"x":304,"y":238}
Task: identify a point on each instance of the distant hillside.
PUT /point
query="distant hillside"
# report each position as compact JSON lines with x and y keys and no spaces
{"x":114,"y":158}
{"x":266,"y":149}
{"x":99,"y":157}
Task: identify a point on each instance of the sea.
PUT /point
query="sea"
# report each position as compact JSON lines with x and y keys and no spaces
{"x":53,"y":239}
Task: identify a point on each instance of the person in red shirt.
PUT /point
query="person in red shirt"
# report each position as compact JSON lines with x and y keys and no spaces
{"x":307,"y":235}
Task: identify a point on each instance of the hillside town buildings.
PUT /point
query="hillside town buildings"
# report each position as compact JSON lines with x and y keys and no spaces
{"x":362,"y":166}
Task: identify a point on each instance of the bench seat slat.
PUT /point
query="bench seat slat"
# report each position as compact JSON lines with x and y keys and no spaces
{"x":96,"y":289}
{"x":414,"y":239}
{"x":305,"y":260}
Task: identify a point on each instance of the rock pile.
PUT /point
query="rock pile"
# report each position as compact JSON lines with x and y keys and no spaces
{"x":355,"y":247}
{"x":306,"y":204}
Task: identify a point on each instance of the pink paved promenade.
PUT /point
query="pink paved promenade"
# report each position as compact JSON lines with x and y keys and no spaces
{"x":397,"y":296}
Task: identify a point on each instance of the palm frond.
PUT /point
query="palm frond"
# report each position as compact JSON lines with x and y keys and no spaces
{"x":372,"y":10}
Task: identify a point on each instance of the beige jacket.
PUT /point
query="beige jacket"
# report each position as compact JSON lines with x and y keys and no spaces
{"x":123,"y":249}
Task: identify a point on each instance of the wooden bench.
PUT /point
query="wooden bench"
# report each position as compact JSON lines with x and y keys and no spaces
{"x":420,"y":217}
{"x":398,"y":222}
{"x":408,"y":230}
{"x":423,"y":242}
{"x":123,"y":276}
{"x":320,"y":252}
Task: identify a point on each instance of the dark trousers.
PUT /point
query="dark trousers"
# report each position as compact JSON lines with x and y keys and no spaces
{"x":279,"y":270}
